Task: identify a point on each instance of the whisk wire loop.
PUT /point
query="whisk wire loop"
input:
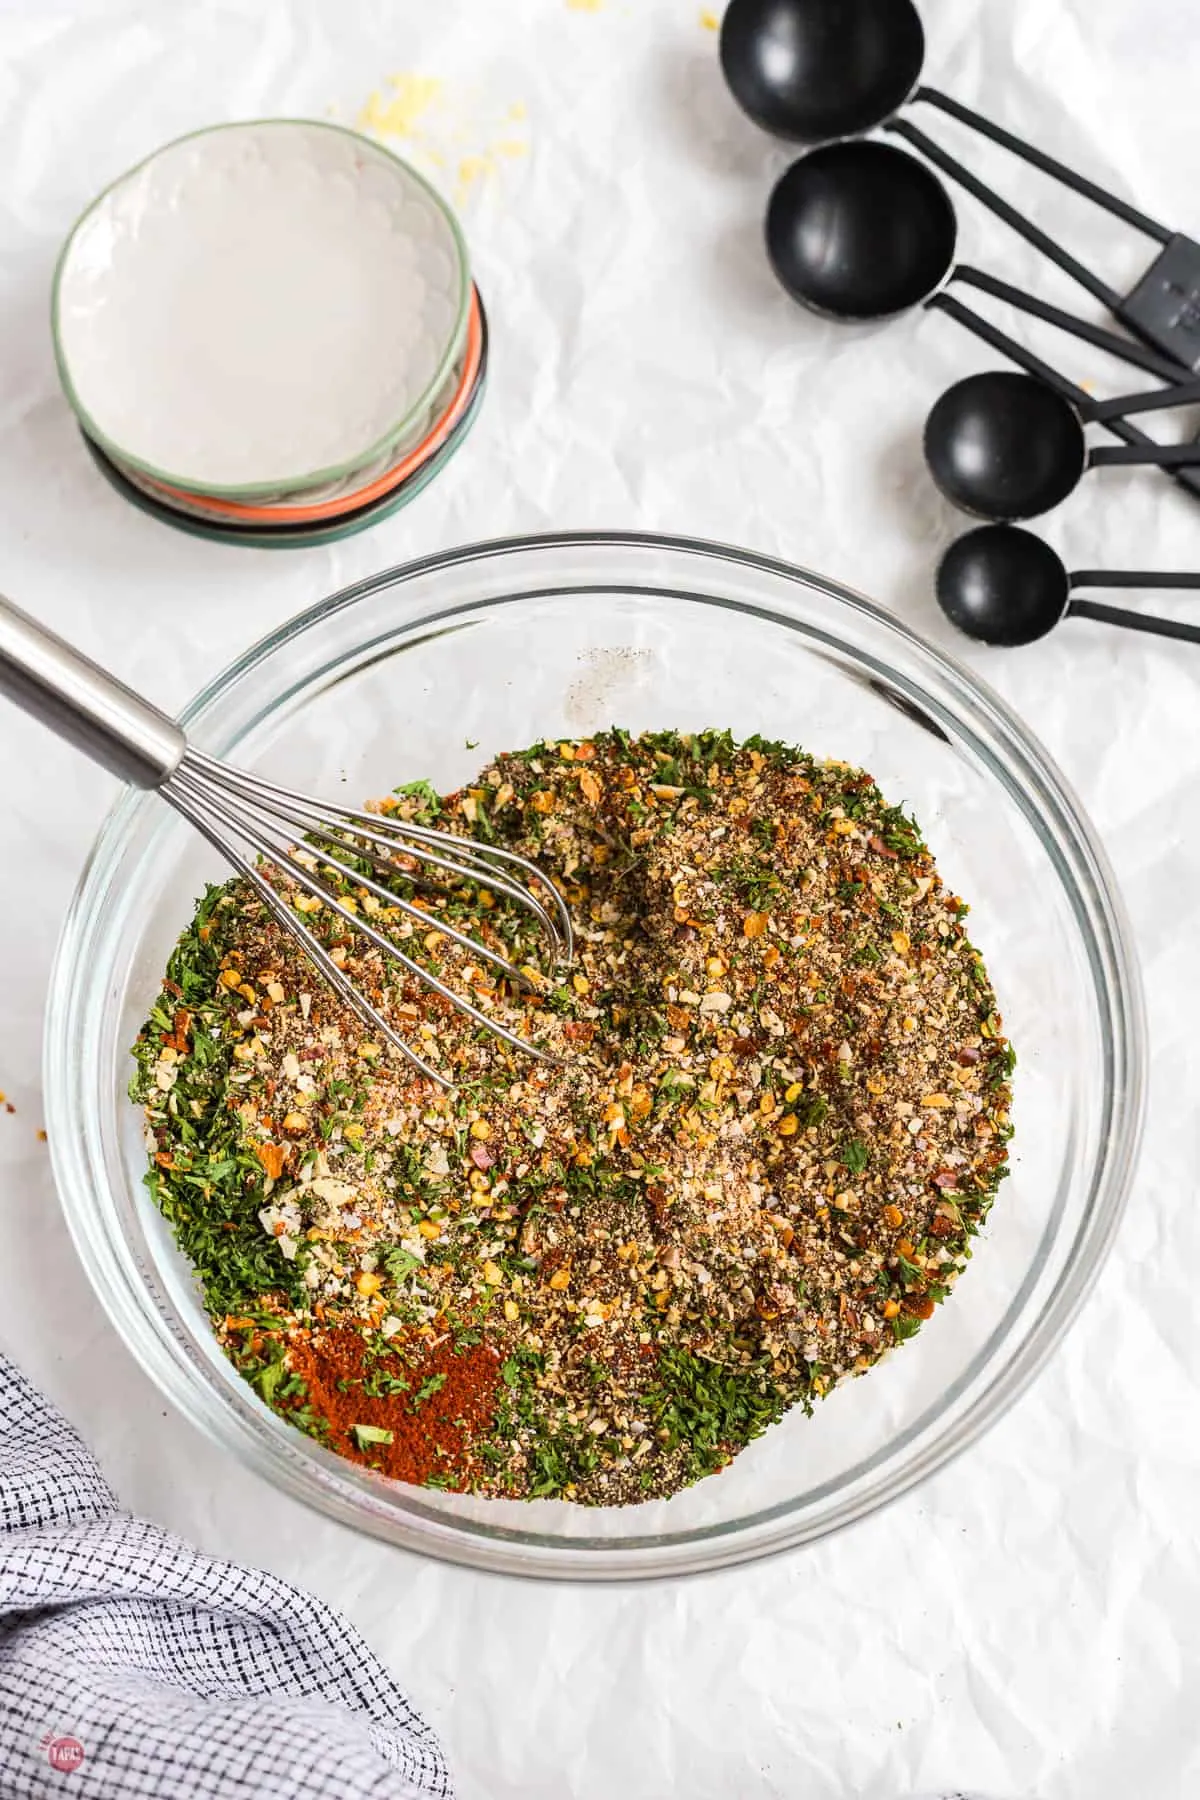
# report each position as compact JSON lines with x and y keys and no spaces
{"x":301,"y":837}
{"x":460,"y":857}
{"x":251,"y":822}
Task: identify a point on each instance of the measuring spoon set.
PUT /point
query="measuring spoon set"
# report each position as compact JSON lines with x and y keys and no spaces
{"x":859,"y":229}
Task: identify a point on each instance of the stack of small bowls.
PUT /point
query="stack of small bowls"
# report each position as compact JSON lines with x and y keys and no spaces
{"x":269,"y":333}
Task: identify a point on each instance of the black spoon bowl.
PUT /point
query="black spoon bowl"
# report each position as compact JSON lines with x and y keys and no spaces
{"x":1006,"y":447}
{"x":865,"y":230}
{"x":1003,"y":586}
{"x":860,"y":231}
{"x":817,"y":69}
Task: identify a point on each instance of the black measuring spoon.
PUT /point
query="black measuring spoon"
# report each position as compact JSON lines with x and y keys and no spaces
{"x":861,"y":231}
{"x":814,"y":70}
{"x":1008,"y":446}
{"x":1002,"y":585}
{"x":811,"y":70}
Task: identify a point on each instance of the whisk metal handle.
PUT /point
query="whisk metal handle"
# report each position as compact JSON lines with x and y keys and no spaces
{"x":84,"y":704}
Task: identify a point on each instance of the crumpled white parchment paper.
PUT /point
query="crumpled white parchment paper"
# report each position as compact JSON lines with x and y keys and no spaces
{"x":1026,"y":1624}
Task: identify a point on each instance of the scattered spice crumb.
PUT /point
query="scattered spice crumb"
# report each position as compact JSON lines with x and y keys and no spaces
{"x":781,"y":1119}
{"x":397,"y":110}
{"x":710,"y":21}
{"x":473,"y":168}
{"x":450,"y":133}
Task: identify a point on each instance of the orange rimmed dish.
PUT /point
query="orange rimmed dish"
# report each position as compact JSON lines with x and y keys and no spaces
{"x":284,"y":513}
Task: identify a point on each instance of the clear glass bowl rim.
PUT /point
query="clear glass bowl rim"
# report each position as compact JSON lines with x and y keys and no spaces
{"x":1065,"y":833}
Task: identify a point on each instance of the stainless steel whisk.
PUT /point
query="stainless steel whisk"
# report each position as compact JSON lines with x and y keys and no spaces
{"x":246,"y":818}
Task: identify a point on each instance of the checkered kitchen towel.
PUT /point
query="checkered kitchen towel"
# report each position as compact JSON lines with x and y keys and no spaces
{"x":133,"y":1668}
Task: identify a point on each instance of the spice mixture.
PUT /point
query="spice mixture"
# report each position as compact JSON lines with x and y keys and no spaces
{"x":780,"y":1117}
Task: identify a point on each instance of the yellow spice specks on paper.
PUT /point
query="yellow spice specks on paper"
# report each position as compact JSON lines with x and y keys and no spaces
{"x":439,"y":128}
{"x":472,"y":168}
{"x":483,"y":164}
{"x":709,"y":20}
{"x":398,"y":113}
{"x":585,"y":5}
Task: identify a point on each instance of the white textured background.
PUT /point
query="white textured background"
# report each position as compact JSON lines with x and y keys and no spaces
{"x":1027,"y":1623}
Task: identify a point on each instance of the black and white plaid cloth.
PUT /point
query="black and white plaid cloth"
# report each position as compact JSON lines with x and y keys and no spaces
{"x":134,"y":1668}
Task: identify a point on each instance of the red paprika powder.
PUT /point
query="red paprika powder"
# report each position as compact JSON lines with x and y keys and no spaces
{"x":433,"y":1402}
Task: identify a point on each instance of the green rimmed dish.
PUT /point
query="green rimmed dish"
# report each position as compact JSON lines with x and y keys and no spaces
{"x":260,"y":308}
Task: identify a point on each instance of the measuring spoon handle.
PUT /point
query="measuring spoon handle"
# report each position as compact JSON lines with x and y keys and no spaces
{"x":1049,"y":165}
{"x":1126,"y":349}
{"x":1016,"y":221}
{"x":1183,"y":393}
{"x":1135,"y":578}
{"x":1150,"y":456}
{"x":1133,"y":621}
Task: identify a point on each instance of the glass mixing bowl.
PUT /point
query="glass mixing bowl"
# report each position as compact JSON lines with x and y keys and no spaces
{"x":430,"y":669}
